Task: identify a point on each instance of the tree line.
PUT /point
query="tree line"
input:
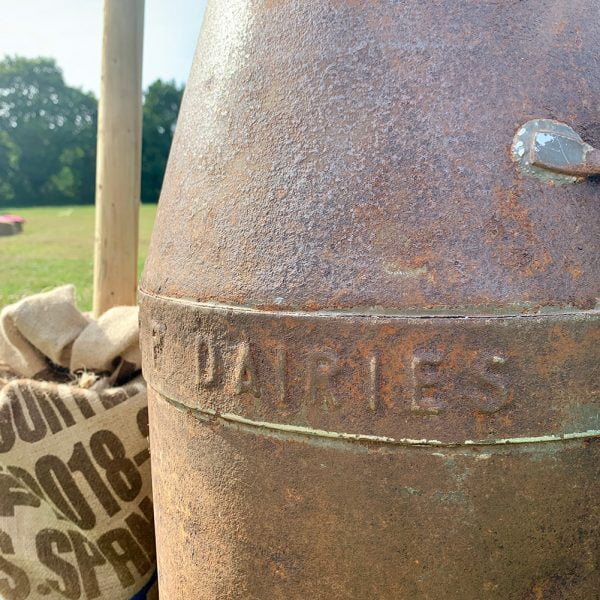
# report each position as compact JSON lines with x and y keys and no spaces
{"x":48,"y":135}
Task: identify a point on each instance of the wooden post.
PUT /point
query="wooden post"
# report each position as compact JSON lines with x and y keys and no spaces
{"x":118,"y":163}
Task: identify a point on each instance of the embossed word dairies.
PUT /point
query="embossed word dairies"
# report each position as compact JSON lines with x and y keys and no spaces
{"x":417,"y":381}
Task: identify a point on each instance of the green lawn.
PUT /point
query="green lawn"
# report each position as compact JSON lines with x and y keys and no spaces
{"x":56,"y":247}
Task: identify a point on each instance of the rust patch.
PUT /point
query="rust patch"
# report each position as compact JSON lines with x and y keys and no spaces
{"x":444,"y":379}
{"x":357,"y":387}
{"x":512,"y":234}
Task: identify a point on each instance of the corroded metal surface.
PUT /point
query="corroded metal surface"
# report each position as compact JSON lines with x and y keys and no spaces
{"x":443,"y":379}
{"x":373,"y":342}
{"x":249,"y":516}
{"x":336,"y":153}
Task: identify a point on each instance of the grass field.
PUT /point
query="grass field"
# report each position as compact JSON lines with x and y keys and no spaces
{"x":56,"y":247}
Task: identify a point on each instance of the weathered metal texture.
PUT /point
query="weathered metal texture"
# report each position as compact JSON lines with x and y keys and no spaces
{"x":245,"y":515}
{"x":372,"y":338}
{"x":335,"y":153}
{"x":446,"y":379}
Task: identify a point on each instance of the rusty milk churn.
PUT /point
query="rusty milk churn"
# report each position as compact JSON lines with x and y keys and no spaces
{"x":369,"y":312}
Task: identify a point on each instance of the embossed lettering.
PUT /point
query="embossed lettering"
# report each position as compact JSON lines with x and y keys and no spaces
{"x":425,"y":379}
{"x":322,"y":366}
{"x":207,"y":364}
{"x":490,"y":381}
{"x":280,"y":370}
{"x":245,"y":372}
{"x":158,"y":341}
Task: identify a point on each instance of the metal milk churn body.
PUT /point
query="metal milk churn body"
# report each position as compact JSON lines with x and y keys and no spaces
{"x":369,"y":315}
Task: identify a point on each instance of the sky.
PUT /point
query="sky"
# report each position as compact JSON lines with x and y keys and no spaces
{"x":71,"y":32}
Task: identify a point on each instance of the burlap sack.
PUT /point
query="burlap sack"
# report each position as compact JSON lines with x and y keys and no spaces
{"x":40,"y":328}
{"x":114,"y":334}
{"x":75,"y":489}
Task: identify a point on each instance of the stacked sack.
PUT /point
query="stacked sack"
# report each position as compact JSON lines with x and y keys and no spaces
{"x":76,"y":515}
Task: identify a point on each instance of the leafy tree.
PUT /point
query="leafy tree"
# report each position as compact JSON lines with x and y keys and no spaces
{"x":9,"y":156}
{"x":51,"y":129}
{"x":48,"y":135}
{"x":161,"y":105}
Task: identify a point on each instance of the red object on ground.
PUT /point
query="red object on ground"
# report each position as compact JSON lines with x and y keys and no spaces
{"x":11,"y":224}
{"x":11,"y":219}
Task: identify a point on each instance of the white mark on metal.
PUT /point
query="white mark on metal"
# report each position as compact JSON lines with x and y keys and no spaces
{"x":517,"y":311}
{"x":209,"y":414}
{"x":373,"y":379}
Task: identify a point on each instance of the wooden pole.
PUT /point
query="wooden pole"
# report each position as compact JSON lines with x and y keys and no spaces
{"x":118,"y":163}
